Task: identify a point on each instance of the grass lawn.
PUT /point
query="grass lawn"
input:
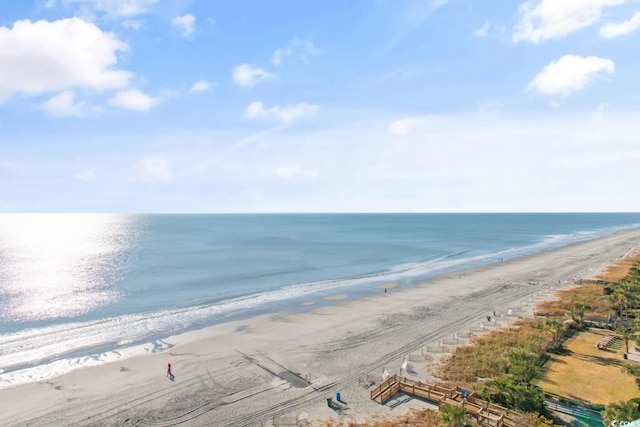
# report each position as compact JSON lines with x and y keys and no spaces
{"x":587,"y":374}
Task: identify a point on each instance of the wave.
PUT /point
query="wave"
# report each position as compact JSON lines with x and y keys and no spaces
{"x":40,"y":353}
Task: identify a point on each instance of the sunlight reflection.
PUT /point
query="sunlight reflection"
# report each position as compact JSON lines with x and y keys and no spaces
{"x":60,"y":265}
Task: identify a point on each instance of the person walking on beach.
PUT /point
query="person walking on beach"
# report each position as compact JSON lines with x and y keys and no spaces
{"x":169,"y":374}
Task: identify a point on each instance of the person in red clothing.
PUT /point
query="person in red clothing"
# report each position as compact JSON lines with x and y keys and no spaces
{"x":169,"y":374}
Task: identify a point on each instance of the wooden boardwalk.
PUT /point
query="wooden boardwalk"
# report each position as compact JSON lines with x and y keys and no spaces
{"x":485,"y":413}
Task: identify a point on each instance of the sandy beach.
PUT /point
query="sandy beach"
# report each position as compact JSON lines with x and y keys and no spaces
{"x":253,"y":372}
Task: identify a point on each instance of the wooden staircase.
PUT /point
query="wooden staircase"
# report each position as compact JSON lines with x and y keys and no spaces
{"x":386,"y":389}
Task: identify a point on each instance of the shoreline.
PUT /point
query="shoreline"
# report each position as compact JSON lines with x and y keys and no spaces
{"x":203,"y":316}
{"x":81,"y":358}
{"x":217,"y":368}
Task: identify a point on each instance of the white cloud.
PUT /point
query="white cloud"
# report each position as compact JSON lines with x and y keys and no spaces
{"x":64,"y":105}
{"x":616,"y":29}
{"x":85,"y":175}
{"x":202,"y":86}
{"x":154,"y":169}
{"x":541,"y":20}
{"x":468,"y":162}
{"x":133,"y":99}
{"x":278,"y":56}
{"x":502,"y":161}
{"x":185,"y":24}
{"x":43,"y":56}
{"x":302,"y":49}
{"x":569,"y":74}
{"x":246,"y":76}
{"x":133,"y":24}
{"x":116,"y":8}
{"x":404,"y":126}
{"x":257,"y":110}
{"x":483,"y":31}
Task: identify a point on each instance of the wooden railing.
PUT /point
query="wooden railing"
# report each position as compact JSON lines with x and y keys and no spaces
{"x":385,"y":390}
{"x":486,"y":413}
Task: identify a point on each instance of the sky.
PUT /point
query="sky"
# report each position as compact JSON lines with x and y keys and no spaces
{"x":319,"y":106}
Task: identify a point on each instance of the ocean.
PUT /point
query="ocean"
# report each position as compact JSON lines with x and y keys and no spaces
{"x":85,"y":289}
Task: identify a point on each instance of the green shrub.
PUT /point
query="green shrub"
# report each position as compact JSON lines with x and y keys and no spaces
{"x":505,"y":391}
{"x":621,"y":411}
{"x":453,"y":415}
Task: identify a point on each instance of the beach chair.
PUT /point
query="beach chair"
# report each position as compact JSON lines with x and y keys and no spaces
{"x":336,"y":406}
{"x":368,"y":381}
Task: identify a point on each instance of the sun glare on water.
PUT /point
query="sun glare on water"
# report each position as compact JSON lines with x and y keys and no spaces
{"x":59,"y":265}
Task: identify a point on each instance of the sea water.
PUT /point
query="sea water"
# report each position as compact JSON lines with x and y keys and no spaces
{"x":81,"y":289}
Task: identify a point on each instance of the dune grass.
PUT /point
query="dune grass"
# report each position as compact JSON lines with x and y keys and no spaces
{"x":587,"y":374}
{"x":591,"y":294}
{"x":584,"y":373}
{"x":618,"y":270}
{"x":486,"y":356}
{"x":594,"y":295}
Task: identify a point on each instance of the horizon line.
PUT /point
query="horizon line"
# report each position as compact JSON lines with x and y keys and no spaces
{"x":315,"y":213}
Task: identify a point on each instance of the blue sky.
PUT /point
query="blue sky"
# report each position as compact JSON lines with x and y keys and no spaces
{"x":319,"y":105}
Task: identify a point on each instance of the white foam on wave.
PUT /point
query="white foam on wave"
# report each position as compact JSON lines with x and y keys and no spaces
{"x":37,"y":354}
{"x":62,"y":366}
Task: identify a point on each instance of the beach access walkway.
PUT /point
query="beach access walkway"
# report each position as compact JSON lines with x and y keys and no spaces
{"x":485,"y":413}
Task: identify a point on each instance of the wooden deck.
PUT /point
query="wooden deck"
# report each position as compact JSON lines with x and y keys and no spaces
{"x":483,"y":412}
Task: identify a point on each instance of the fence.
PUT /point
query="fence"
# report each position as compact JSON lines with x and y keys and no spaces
{"x":578,"y":411}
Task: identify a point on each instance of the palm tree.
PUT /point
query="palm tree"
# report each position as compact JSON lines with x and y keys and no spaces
{"x":577,"y":312}
{"x":621,"y":411}
{"x":634,"y":274}
{"x":635,"y":328}
{"x":554,"y":327}
{"x":632,"y":370}
{"x":620,"y":298}
{"x":633,"y":291}
{"x":625,"y":334}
